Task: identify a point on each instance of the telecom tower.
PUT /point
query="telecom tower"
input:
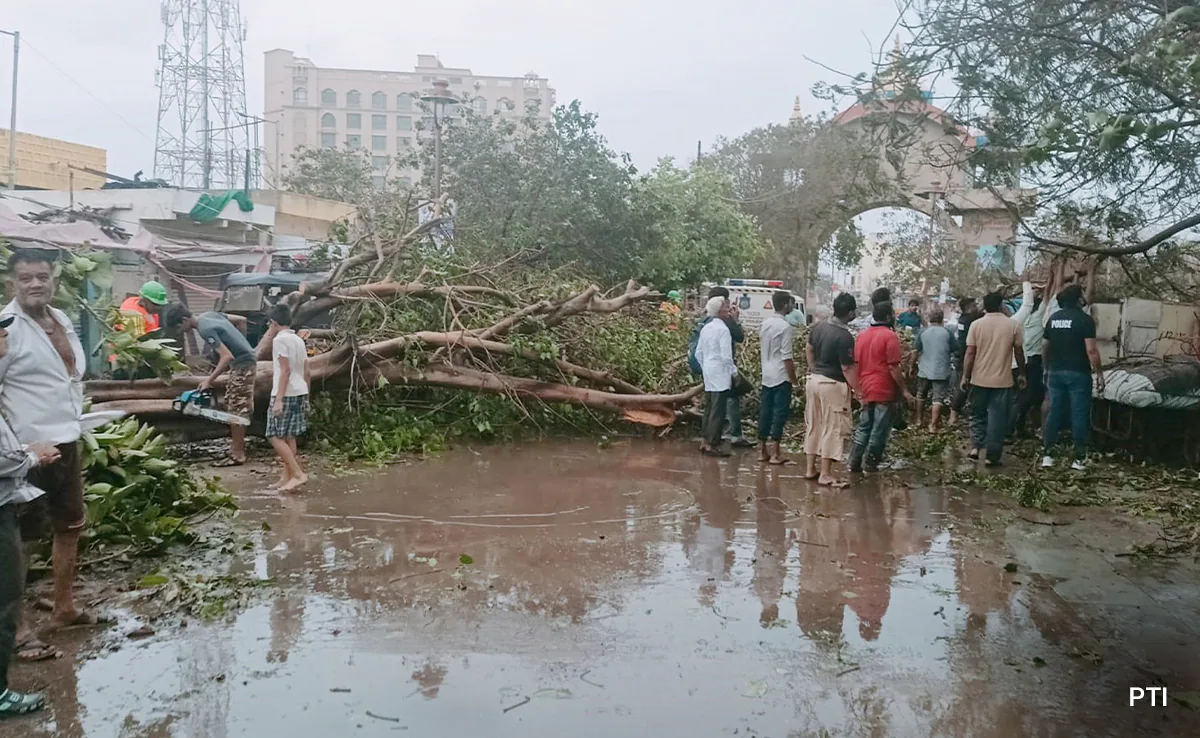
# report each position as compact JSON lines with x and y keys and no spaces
{"x":203,"y":136}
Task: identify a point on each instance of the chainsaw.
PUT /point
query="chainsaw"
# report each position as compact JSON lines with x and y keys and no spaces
{"x":199,"y":403}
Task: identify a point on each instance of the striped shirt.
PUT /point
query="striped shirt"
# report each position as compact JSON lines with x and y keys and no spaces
{"x":15,"y":463}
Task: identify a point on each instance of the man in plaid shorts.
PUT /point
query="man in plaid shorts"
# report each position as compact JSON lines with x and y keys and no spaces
{"x":288,"y":416}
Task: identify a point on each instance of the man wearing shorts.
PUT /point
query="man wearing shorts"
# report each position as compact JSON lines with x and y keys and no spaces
{"x":288,"y":415}
{"x":935,"y":345}
{"x":41,"y":396}
{"x":228,"y":347}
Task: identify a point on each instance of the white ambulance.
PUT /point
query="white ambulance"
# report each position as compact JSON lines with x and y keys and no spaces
{"x":753,"y":300}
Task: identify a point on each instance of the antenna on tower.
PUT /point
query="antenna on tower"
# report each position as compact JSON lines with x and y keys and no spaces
{"x":201,"y":142}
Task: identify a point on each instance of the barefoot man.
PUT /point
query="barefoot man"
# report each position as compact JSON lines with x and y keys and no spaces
{"x":287,"y":417}
{"x":832,"y":375}
{"x":226,"y":345}
{"x":41,"y":395}
{"x":778,"y":379}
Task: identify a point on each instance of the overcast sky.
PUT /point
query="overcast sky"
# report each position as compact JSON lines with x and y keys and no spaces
{"x":661,"y":74}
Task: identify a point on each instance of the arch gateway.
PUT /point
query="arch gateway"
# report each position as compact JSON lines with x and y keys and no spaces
{"x":926,"y":163}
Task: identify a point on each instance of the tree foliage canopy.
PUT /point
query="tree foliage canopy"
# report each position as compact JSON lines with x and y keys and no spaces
{"x":803,"y":183}
{"x":556,"y":193}
{"x":1098,"y":101}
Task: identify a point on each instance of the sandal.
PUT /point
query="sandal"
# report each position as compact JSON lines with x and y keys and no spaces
{"x":34,"y":649}
{"x":227,"y":462}
{"x":13,"y":703}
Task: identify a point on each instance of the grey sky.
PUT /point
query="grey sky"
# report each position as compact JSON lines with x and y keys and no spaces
{"x":661,"y":74}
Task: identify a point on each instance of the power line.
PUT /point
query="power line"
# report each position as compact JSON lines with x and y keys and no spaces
{"x":91,"y":94}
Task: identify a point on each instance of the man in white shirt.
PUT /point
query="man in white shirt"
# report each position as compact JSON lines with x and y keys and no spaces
{"x":41,"y":395}
{"x":778,"y":378}
{"x":714,"y":353}
{"x":288,"y":416}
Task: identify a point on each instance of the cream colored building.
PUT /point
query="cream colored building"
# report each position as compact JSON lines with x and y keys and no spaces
{"x":43,"y":163}
{"x":378,"y":111}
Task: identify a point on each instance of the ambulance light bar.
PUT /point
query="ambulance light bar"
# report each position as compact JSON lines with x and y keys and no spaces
{"x":754,"y":283}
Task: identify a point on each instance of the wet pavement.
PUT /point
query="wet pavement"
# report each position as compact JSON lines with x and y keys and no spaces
{"x":644,"y":591}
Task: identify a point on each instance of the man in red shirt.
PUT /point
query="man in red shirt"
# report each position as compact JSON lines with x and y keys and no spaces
{"x":880,"y":382}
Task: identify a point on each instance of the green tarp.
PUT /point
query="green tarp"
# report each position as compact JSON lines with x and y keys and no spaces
{"x":208,"y":208}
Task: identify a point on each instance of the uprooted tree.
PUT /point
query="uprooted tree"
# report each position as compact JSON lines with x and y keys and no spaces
{"x":546,"y":211}
{"x":493,"y":329}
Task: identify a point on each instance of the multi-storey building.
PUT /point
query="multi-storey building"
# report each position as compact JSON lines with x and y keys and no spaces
{"x":380,"y":112}
{"x":46,"y":163}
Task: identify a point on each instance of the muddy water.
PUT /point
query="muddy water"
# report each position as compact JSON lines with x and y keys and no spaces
{"x":643,"y":591}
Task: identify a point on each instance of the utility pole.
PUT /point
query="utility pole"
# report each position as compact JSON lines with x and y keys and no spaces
{"x":12,"y":117}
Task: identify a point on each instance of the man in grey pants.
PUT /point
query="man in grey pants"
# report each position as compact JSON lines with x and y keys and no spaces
{"x":16,"y":460}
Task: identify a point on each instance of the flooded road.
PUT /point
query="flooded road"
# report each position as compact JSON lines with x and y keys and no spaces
{"x":561,"y":590}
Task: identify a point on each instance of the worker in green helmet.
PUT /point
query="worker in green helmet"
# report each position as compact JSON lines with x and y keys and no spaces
{"x":141,"y":315}
{"x":671,"y":308}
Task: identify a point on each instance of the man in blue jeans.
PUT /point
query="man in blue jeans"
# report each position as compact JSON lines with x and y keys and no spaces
{"x":880,"y":383}
{"x":778,"y":378}
{"x":1071,"y":358}
{"x":993,"y":343}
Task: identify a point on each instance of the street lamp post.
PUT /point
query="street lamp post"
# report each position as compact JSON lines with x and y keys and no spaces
{"x":440,"y":99}
{"x":12,"y":120}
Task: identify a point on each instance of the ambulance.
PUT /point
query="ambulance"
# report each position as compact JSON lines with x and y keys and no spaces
{"x":753,"y":300}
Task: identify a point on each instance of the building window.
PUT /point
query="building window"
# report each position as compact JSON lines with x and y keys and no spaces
{"x":354,"y":121}
{"x":378,"y":143}
{"x":427,"y":123}
{"x":353,"y":142}
{"x":354,"y":99}
{"x":329,"y":140}
{"x":406,"y":181}
{"x":480,"y":105}
{"x":300,"y":96}
{"x":404,"y":102}
{"x":328,"y":121}
{"x":403,"y":142}
{"x":403,"y":123}
{"x":379,"y":100}
{"x":427,"y":78}
{"x":504,"y":105}
{"x":379,"y":181}
{"x":456,"y":80}
{"x":379,"y":163}
{"x":329,"y":97}
{"x":378,"y":122}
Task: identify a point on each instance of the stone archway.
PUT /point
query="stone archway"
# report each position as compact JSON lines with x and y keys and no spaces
{"x":926,"y":162}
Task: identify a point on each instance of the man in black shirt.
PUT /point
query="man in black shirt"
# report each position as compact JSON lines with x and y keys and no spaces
{"x":830,"y":354}
{"x":1071,"y":358}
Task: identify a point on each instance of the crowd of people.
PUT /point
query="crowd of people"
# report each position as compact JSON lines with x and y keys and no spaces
{"x":1039,"y":365}
{"x":42,"y":364}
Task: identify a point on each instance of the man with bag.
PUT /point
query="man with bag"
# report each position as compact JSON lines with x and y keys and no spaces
{"x":733,"y":412}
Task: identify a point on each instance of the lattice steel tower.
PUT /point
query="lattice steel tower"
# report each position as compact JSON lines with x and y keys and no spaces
{"x":202,"y":137}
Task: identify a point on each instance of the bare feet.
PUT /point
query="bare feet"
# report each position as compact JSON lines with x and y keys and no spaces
{"x":79,"y":619}
{"x":933,"y":429}
{"x":833,"y":482}
{"x":294,"y":483}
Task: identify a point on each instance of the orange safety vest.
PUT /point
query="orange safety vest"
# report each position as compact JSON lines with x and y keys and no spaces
{"x":137,"y":318}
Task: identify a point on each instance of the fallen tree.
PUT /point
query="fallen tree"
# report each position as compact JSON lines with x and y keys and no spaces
{"x":498,"y":329}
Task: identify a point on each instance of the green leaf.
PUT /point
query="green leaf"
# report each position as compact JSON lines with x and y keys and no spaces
{"x":152,"y":580}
